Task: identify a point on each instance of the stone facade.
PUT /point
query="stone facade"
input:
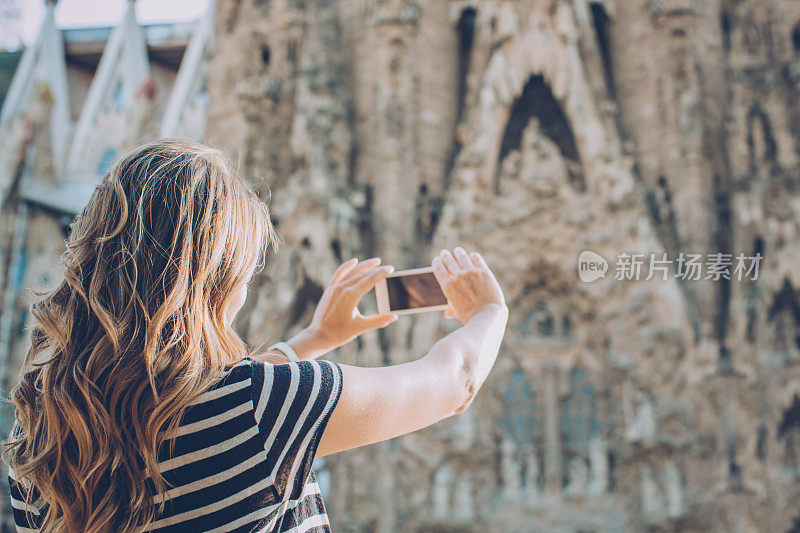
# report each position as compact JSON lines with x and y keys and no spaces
{"x":530,"y":131}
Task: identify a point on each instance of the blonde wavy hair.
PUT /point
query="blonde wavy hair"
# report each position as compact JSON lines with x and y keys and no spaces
{"x":133,"y":333}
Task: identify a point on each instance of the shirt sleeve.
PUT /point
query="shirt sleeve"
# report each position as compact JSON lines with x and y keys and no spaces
{"x":292,"y":405}
{"x":27,"y":517}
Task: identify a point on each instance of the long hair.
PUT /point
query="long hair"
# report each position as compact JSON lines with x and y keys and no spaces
{"x":134,"y":332}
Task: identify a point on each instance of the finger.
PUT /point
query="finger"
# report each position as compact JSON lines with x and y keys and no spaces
{"x":479,"y":261}
{"x":440,"y":272}
{"x":377,"y":321}
{"x":462,"y":258}
{"x":474,"y":258}
{"x":450,"y":262}
{"x":361,"y":267}
{"x":482,"y":265}
{"x":362,"y":284}
{"x":353,"y":280}
{"x":342,"y":270}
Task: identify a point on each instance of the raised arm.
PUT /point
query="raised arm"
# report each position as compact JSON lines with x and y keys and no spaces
{"x":380,"y":403}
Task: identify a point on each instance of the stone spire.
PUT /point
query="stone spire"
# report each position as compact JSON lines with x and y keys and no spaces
{"x":124,"y":61}
{"x":43,"y":63}
{"x":191,"y":76}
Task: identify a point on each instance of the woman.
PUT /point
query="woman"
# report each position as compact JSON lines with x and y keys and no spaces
{"x":138,"y":407}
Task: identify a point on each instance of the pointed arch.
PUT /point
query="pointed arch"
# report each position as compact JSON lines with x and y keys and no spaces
{"x":537,"y":101}
{"x":757,"y":119}
{"x":784,"y":313}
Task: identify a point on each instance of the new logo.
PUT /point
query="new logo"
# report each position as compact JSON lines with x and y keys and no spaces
{"x":591,"y":266}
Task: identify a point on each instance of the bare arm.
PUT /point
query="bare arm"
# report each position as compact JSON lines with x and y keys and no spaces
{"x":377,"y":404}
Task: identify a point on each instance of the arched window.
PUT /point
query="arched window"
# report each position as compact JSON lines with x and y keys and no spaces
{"x":466,"y":38}
{"x":579,"y":422}
{"x":519,"y":410}
{"x":547,"y":321}
{"x":521,"y":445}
{"x":579,"y":412}
{"x":784,"y":314}
{"x":761,"y":144}
{"x":796,"y":38}
{"x":789,"y":432}
{"x":602,"y":27}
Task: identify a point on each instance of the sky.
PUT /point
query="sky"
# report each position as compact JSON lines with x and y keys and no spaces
{"x":85,"y":13}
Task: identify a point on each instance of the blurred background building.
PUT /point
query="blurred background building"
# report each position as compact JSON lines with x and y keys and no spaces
{"x":528,"y":130}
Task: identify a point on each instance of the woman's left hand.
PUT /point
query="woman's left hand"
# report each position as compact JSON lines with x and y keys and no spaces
{"x":337,"y":320}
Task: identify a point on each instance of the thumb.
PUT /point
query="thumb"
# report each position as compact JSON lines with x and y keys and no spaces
{"x":378,"y":321}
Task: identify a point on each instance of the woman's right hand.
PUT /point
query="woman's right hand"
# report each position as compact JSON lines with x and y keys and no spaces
{"x":467,"y":282}
{"x":337,"y":320}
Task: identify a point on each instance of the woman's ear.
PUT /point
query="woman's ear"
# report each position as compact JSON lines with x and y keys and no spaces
{"x":236,"y":304}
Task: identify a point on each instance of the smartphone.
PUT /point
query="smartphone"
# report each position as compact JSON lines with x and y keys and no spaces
{"x":410,"y":291}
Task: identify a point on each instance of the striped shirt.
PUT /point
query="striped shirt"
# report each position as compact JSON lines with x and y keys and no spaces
{"x":243,"y":454}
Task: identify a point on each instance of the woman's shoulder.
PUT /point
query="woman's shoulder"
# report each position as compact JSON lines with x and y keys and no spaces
{"x":240,"y":367}
{"x":278,"y":384}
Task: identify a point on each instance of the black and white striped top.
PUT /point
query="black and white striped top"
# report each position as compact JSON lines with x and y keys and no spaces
{"x":243,"y":453}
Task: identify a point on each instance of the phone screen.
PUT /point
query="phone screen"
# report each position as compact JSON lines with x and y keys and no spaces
{"x":414,"y":291}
